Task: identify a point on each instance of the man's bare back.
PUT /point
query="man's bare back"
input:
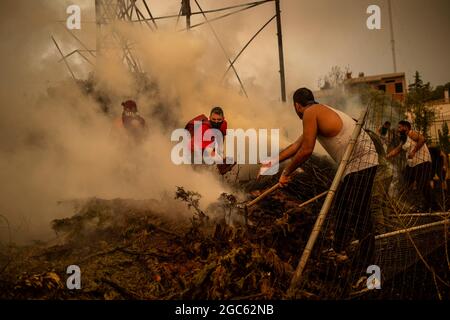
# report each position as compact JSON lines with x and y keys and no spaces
{"x":329,"y":124}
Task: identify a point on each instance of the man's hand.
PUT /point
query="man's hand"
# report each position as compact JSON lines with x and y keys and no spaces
{"x":411,"y":155}
{"x":394,"y":152}
{"x":284,"y":180}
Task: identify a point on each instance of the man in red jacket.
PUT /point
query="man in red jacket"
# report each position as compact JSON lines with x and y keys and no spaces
{"x":216,"y":121}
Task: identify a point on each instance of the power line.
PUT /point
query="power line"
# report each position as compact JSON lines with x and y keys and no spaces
{"x":223,"y":48}
{"x":172,"y":16}
{"x":248,"y":43}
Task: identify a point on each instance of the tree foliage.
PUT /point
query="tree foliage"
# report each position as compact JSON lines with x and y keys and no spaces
{"x":416,"y":102}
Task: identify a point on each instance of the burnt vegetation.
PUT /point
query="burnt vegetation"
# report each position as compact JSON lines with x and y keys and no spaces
{"x":130,"y":249}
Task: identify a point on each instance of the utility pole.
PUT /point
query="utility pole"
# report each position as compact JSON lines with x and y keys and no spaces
{"x":280,"y":51}
{"x":186,"y":11}
{"x":394,"y":60}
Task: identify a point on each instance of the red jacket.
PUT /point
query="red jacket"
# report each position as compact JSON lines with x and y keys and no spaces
{"x":206,"y":124}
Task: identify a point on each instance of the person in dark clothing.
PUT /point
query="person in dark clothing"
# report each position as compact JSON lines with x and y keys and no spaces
{"x":439,"y":163}
{"x":130,"y":124}
{"x":353,"y":215}
{"x":385,"y":134}
{"x":418,"y":169}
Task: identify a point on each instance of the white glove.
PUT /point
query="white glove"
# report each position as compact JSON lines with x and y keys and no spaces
{"x":210,"y":156}
{"x":269,"y":167}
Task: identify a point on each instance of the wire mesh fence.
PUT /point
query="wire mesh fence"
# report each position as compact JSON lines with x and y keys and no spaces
{"x":387,"y":214}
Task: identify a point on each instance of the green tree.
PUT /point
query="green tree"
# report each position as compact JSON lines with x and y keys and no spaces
{"x":416,"y":102}
{"x":438,"y":92}
{"x":334,"y":78}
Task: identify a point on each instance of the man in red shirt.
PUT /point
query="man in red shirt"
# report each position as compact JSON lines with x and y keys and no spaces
{"x":216,"y":121}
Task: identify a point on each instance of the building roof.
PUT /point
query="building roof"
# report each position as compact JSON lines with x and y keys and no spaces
{"x":375,"y":78}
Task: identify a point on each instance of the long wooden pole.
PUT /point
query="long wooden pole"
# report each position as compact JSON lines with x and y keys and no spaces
{"x":421,"y":227}
{"x":432,"y":214}
{"x":186,"y":11}
{"x":263,"y":195}
{"x":406,"y":230}
{"x":326,"y":206}
{"x":312,"y":199}
{"x":391,"y":23}
{"x":280,"y":51}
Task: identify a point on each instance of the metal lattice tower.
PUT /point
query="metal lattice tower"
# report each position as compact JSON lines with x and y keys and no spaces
{"x":108,"y":12}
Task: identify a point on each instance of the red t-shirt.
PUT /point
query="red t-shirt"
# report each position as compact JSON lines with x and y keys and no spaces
{"x":206,"y":124}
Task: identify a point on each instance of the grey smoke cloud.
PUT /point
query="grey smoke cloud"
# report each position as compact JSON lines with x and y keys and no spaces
{"x":55,"y":142}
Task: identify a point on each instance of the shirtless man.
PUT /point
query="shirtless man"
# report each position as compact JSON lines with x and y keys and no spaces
{"x":333,"y":129}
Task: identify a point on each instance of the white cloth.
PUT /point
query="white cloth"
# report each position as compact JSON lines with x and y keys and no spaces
{"x":422,"y":155}
{"x":364,"y":154}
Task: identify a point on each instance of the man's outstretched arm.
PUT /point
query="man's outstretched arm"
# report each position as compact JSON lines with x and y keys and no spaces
{"x":394,"y":152}
{"x":290,"y":150}
{"x":307,"y":146}
{"x":287,"y":153}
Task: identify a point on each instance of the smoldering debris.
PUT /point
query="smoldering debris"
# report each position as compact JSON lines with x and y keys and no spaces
{"x":129,"y":249}
{"x":140,"y":249}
